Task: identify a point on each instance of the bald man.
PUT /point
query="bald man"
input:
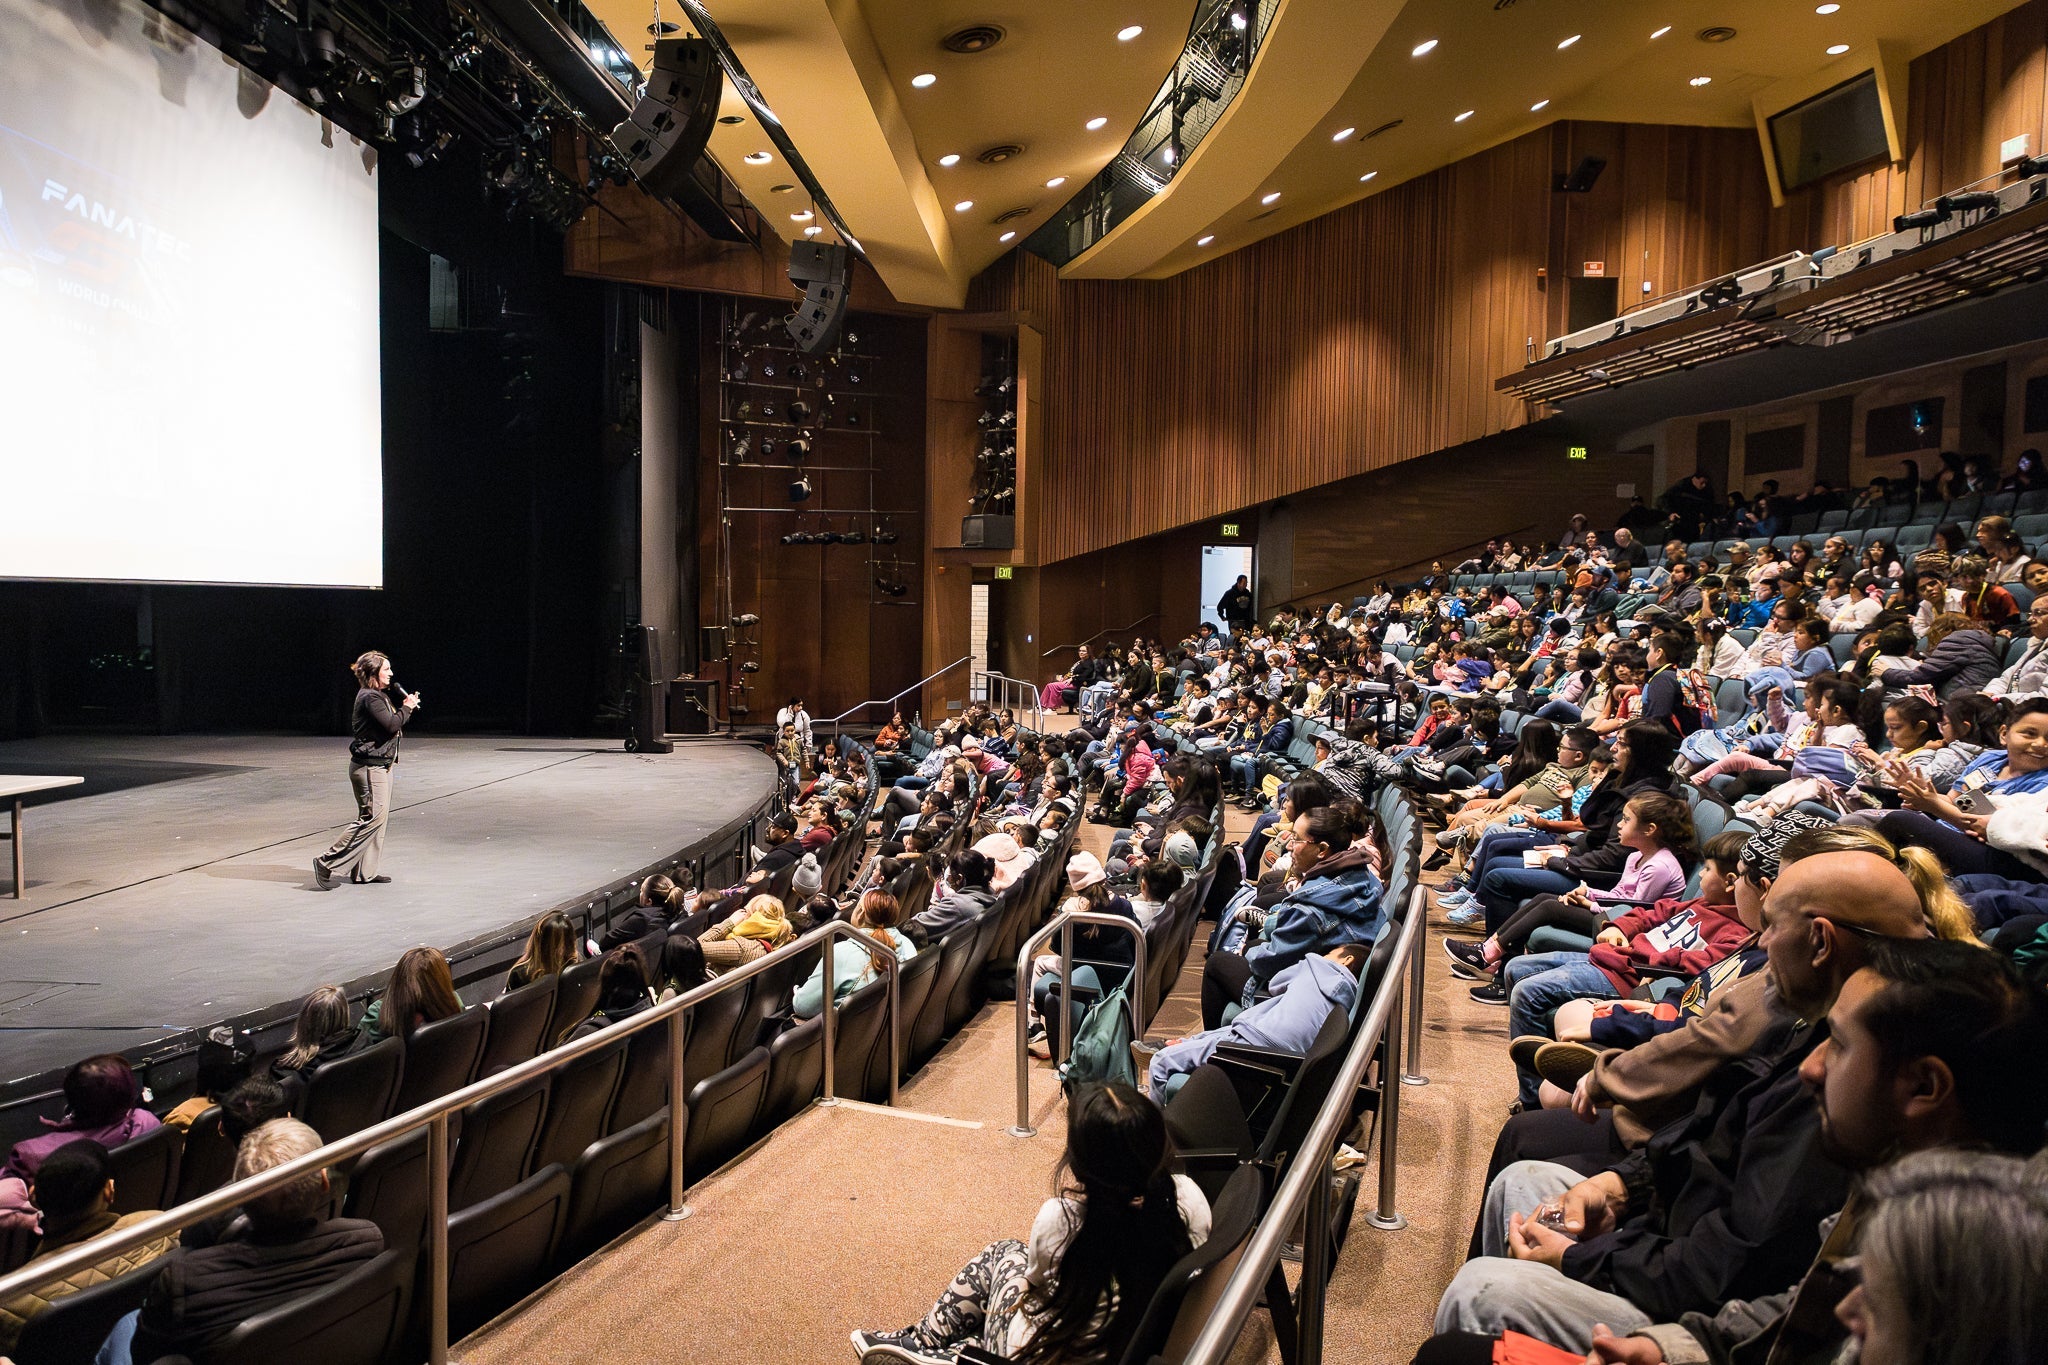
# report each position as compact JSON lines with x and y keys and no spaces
{"x":1723,"y":1204}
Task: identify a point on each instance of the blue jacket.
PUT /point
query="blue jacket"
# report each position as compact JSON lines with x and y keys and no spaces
{"x":1339,"y":903}
{"x":1277,"y":738}
{"x":1288,"y":1022}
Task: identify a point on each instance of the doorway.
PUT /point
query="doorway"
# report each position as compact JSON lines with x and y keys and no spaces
{"x":1221,"y":565}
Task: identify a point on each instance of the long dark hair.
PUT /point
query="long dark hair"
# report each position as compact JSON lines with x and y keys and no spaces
{"x":1118,"y":1167}
{"x":421,"y":987}
{"x":1651,"y":747}
{"x":1535,"y":750}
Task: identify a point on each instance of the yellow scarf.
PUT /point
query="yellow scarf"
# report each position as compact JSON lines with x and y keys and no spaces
{"x":767,"y":924}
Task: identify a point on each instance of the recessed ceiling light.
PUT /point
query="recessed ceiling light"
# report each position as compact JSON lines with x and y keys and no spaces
{"x":950,"y":159}
{"x":1462,"y":117}
{"x":963,"y":206}
{"x":1660,"y":33}
{"x":758,"y":158}
{"x":1569,"y":41}
{"x":1124,"y":35}
{"x":1269,"y":198}
{"x":813,"y":230}
{"x":1538,"y":105}
{"x":1367,"y":176}
{"x":1007,"y":236}
{"x":1826,"y":9}
{"x":1838,"y":49}
{"x":1341,"y":134}
{"x":1423,"y":49}
{"x":1204,"y":241}
{"x":1702,"y":80}
{"x":1096,"y":123}
{"x":801,"y":216}
{"x":1055,"y":182}
{"x":924,"y":80}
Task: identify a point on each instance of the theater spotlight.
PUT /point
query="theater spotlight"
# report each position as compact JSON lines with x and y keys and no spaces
{"x":1921,"y":218}
{"x":799,"y":412}
{"x":800,"y":488}
{"x":749,"y":619}
{"x":1721,"y":292}
{"x":800,"y":448}
{"x":1969,"y":201}
{"x":750,"y":666}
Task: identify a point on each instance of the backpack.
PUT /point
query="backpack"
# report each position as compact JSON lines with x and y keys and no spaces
{"x":1694,"y":709}
{"x":1229,"y":877}
{"x":1102,"y":1045}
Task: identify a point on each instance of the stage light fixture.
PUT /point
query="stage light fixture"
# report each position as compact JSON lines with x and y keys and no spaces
{"x":750,"y":666}
{"x":749,"y":619}
{"x":2029,"y":166}
{"x":799,"y":410}
{"x":1237,"y":20}
{"x":800,"y":488}
{"x":1969,"y":201}
{"x":1921,"y":218}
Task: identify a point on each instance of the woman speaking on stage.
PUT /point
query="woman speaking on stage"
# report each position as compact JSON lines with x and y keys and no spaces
{"x":376,"y":726}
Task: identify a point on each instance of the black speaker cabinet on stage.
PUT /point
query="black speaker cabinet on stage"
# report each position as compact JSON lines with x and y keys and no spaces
{"x":650,"y":696}
{"x":988,"y":533}
{"x":691,"y":703}
{"x":671,"y":124}
{"x":824,"y":271}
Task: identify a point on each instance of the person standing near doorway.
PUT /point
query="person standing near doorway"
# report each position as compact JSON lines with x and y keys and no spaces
{"x":376,"y":725}
{"x":1236,"y":606}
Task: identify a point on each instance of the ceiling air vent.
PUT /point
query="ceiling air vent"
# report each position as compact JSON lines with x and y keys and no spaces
{"x":1013,"y":215}
{"x":1389,"y":126}
{"x":973,"y":38}
{"x":998,"y":154}
{"x":1719,"y":33}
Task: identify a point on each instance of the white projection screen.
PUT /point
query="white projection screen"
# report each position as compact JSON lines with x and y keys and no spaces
{"x":188,"y":314}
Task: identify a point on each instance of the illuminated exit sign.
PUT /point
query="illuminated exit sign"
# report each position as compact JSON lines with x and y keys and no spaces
{"x":1575,"y":453}
{"x":1229,"y":528}
{"x":1005,"y":571}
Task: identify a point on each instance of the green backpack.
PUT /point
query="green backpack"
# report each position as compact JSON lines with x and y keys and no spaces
{"x":1102,"y":1045}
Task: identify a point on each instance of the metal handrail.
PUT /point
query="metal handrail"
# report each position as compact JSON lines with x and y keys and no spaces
{"x":892,"y":700}
{"x":1064,"y":923}
{"x":1306,"y":1187}
{"x":1100,"y":634}
{"x":1024,"y":690}
{"x":434,"y":1116}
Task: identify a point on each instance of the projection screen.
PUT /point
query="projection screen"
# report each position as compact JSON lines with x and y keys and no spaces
{"x":188,"y":314}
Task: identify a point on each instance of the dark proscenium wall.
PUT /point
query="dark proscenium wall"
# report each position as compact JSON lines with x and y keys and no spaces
{"x":494,"y":604}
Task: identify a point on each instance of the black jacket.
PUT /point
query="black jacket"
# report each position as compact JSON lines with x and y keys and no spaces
{"x":1600,"y":859}
{"x":1236,"y":606}
{"x":375,"y":727}
{"x":205,"y":1291}
{"x":1726,"y":1203}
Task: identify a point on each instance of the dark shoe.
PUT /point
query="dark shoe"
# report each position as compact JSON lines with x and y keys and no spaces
{"x":360,"y":880}
{"x":1564,"y":1064}
{"x":894,"y":1346}
{"x":321,"y":875}
{"x":1522,"y":1051}
{"x":1492,"y":993}
{"x":1436,"y":859}
{"x":1468,"y":959}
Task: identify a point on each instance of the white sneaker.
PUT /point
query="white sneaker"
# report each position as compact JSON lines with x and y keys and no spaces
{"x":891,"y":1346}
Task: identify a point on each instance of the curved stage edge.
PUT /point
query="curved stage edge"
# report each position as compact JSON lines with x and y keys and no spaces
{"x":174,"y":892}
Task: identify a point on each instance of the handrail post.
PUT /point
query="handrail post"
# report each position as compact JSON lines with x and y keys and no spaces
{"x":1412,"y":1073}
{"x":827,"y":1013}
{"x":437,"y":1232}
{"x":677,"y":1209}
{"x":895,"y":970}
{"x":1385,"y":1217}
{"x":1311,"y":1301}
{"x":1022,"y":1128}
{"x":1065,"y":1035}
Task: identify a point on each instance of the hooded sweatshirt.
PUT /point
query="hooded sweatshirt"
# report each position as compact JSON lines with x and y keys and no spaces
{"x":1339,"y":903}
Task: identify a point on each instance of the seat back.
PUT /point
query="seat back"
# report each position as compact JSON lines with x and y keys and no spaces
{"x":722,"y":1110}
{"x":575,"y":998}
{"x":616,"y":1182}
{"x":1191,"y":1289}
{"x":495,"y":1150}
{"x":856,"y":1036}
{"x":389,"y":1187}
{"x":769,"y":993}
{"x":351,"y":1093}
{"x":441,"y":1057}
{"x":502,"y":1249}
{"x":208,"y":1160}
{"x":969,"y":990}
{"x":962,"y":948}
{"x":929,"y":1030}
{"x":914,"y":983}
{"x":145,"y":1170}
{"x":356,"y":1320}
{"x":518,"y":1023}
{"x":644,"y":1087}
{"x":579,"y":1102}
{"x":71,"y":1329}
{"x":796,"y":1070}
{"x":714,"y":1024}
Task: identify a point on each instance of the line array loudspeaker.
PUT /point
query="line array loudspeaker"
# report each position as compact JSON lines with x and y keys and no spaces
{"x":824,"y":271}
{"x":671,"y":123}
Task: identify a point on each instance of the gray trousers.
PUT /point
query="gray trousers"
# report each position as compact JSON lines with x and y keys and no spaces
{"x":1495,"y":1292}
{"x":361,"y":846}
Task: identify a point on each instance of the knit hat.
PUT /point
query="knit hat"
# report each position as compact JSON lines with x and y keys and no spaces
{"x":1760,"y":854}
{"x":1084,"y":870}
{"x":1180,"y":848}
{"x":809,"y":879}
{"x":1002,"y":850}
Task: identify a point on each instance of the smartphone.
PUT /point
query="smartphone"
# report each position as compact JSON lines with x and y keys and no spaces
{"x":1975,"y":803}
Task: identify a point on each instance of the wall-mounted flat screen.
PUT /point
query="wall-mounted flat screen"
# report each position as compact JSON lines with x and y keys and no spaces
{"x":1833,"y":131}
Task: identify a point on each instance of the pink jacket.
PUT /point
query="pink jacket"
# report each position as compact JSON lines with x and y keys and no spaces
{"x":1138,"y":767}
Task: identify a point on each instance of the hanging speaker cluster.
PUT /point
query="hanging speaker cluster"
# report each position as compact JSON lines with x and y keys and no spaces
{"x":672,"y":121}
{"x":824,"y":271}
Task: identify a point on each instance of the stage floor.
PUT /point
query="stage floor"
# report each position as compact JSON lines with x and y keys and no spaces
{"x":175,"y":888}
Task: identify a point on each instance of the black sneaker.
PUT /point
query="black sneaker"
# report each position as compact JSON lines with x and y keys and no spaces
{"x":894,"y":1346}
{"x":1437,"y":859}
{"x":1468,"y":959}
{"x":1492,"y":993}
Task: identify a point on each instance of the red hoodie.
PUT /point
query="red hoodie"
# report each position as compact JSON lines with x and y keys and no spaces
{"x":1685,"y":936}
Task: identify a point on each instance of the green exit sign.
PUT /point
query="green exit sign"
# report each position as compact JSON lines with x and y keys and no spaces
{"x":1575,"y":453}
{"x":1229,"y":528}
{"x":1005,"y":571}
